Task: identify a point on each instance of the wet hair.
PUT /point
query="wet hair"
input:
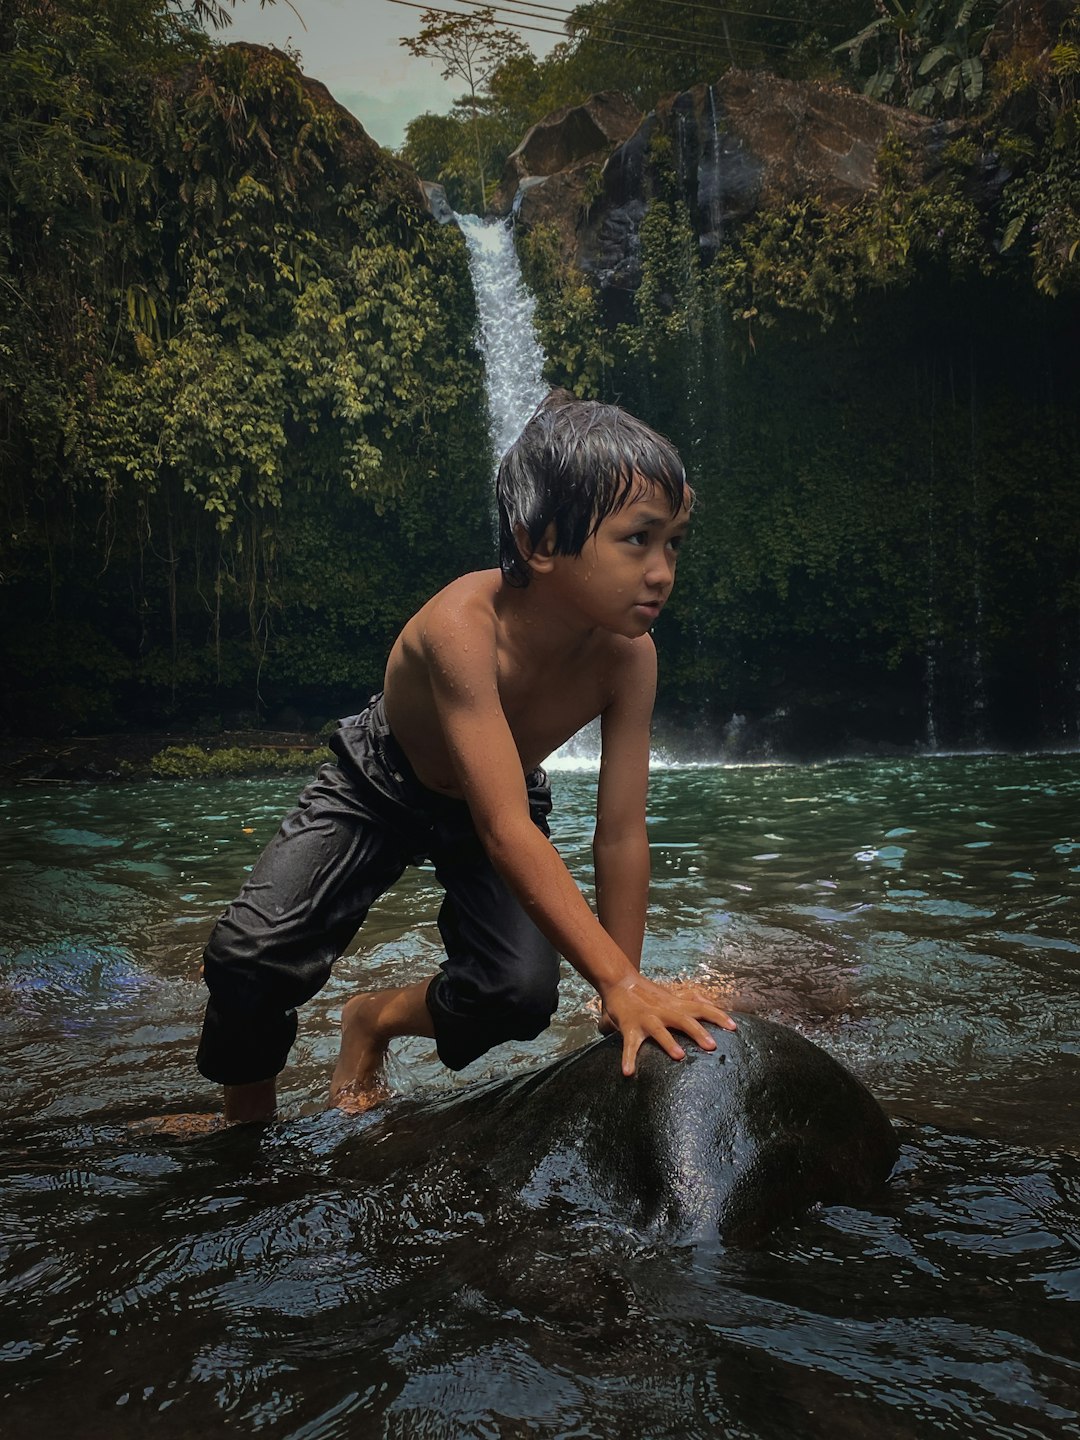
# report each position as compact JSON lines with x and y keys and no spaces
{"x":575,"y":463}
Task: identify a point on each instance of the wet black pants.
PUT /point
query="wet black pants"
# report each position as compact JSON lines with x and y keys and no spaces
{"x":354,"y":830}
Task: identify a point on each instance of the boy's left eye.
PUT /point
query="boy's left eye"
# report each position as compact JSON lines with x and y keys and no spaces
{"x":639,"y":537}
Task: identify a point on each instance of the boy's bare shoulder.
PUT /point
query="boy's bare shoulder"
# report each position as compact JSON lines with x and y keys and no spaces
{"x":466,"y":604}
{"x":629,"y":666}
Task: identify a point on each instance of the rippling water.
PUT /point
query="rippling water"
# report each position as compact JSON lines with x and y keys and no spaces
{"x":917,"y":918}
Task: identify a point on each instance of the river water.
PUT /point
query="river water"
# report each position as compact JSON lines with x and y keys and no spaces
{"x":917,"y":918}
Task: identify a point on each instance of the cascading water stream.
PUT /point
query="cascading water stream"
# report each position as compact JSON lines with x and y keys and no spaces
{"x":514,"y":379}
{"x":513,"y":359}
{"x":708,"y":182}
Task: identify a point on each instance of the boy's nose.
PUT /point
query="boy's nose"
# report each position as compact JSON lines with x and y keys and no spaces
{"x":660,"y":571}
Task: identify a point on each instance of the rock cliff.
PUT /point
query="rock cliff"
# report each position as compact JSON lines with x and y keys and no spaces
{"x":747,"y":141}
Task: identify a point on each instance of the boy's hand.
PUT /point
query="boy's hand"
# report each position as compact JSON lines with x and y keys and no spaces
{"x":641,"y":1010}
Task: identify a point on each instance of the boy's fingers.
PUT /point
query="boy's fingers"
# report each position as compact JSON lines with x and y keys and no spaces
{"x":697,"y":1033}
{"x":633,"y":1041}
{"x":706,"y":1009}
{"x":721,"y":1018}
{"x":630,"y":1046}
{"x":666,"y":1040}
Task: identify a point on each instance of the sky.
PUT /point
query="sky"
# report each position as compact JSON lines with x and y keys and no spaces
{"x":352,"y":47}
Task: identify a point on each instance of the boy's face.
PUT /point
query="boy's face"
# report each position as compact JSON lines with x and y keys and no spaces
{"x":624,"y":575}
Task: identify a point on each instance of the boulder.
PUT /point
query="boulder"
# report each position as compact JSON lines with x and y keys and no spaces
{"x":749,"y":141}
{"x":724,"y":1145}
{"x":746,"y":142}
{"x":435,"y":199}
{"x":568,"y":147}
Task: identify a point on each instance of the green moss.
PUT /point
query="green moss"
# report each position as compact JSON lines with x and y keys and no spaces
{"x":191,"y":762}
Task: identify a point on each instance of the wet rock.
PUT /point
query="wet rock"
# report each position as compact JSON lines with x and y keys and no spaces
{"x":747,"y":142}
{"x":726,"y":1144}
{"x":565,"y":139}
{"x":437,"y":203}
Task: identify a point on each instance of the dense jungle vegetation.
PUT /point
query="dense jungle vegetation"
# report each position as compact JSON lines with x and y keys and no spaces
{"x":241,"y":427}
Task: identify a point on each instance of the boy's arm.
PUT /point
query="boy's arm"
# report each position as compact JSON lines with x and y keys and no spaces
{"x":620,"y":842}
{"x":461,"y":656}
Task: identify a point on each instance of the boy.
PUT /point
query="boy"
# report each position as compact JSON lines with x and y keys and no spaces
{"x":488,"y":678}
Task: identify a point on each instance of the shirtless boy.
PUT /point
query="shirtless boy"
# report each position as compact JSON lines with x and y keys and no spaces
{"x":488,"y":678}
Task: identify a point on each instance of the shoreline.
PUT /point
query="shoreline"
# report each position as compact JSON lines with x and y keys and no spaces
{"x":164,"y":755}
{"x":148,"y":755}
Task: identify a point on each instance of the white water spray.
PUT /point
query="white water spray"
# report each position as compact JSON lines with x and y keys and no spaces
{"x":513,"y":359}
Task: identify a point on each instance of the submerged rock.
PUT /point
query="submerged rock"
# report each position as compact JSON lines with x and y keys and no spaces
{"x":726,"y":1144}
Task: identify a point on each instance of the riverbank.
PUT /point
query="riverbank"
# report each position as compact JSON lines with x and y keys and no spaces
{"x":157,"y":754}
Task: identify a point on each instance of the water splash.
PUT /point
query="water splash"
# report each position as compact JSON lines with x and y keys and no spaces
{"x":513,"y":358}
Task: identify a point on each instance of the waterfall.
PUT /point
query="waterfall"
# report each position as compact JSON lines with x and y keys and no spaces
{"x":710,"y":202}
{"x":514,"y":379}
{"x":513,"y":359}
{"x":931,"y":593}
{"x":978,"y":699}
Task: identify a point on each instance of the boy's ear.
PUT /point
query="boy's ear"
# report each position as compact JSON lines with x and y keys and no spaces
{"x":541,"y":559}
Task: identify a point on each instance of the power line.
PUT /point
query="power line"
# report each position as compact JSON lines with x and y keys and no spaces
{"x":664,"y":34}
{"x":683,"y":43}
{"x":693,"y":5}
{"x":534,"y":29}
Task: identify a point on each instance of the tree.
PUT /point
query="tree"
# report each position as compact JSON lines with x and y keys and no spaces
{"x":927,"y":52}
{"x":469,"y":48}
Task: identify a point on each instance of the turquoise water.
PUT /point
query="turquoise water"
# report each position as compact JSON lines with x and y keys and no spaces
{"x":917,"y":918}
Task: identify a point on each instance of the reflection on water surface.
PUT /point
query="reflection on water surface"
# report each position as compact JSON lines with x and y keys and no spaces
{"x":917,"y":918}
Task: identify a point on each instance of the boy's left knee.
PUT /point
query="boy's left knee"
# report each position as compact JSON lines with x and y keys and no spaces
{"x":468,"y":1025}
{"x":528,"y":1001}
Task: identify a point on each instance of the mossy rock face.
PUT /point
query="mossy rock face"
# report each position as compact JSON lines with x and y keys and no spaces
{"x":724,"y":1145}
{"x":191,"y":762}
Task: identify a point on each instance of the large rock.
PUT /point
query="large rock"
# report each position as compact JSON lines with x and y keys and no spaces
{"x":750,"y":140}
{"x":549,"y":175}
{"x":726,"y":1144}
{"x":746,"y":142}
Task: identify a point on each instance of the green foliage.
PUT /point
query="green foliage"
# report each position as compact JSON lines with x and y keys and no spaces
{"x":577,"y":348}
{"x":191,"y":762}
{"x":1041,"y":206}
{"x":208,"y":354}
{"x":815,"y":259}
{"x":648,"y":47}
{"x":926,"y":54}
{"x":886,"y":490}
{"x":443,"y":149}
{"x":470,"y":48}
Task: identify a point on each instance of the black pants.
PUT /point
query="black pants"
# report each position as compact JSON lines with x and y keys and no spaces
{"x":355,"y":829}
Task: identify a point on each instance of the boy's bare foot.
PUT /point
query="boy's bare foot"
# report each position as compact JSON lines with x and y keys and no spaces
{"x":179,"y":1127}
{"x":359,"y":1081}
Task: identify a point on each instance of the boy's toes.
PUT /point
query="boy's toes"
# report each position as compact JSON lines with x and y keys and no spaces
{"x":354,"y":1099}
{"x":179,"y":1127}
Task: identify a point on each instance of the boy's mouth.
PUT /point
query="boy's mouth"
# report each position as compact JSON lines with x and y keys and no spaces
{"x":650,"y":607}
